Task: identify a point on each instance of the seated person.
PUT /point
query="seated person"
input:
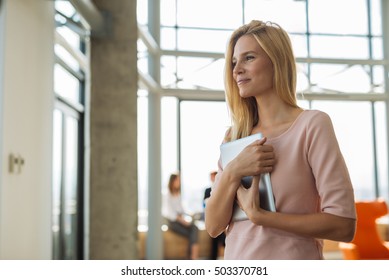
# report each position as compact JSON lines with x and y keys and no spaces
{"x":175,"y":216}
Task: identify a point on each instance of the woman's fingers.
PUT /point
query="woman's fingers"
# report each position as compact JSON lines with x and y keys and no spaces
{"x":255,"y":181}
{"x":255,"y":159}
{"x":249,"y":198}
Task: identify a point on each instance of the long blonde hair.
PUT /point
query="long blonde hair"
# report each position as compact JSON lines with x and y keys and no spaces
{"x":277,"y":45}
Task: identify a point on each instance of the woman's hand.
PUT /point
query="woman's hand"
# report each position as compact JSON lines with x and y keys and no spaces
{"x":255,"y":159}
{"x":248,"y":199}
{"x":182,"y":221}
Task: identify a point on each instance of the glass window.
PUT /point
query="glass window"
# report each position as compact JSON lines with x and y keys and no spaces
{"x":71,"y":188}
{"x":376,"y":17}
{"x":143,"y":57}
{"x":382,"y":148}
{"x":66,"y":57}
{"x":209,"y":14}
{"x":377,"y":48}
{"x":303,"y":103}
{"x":66,"y":85}
{"x":192,"y":72}
{"x":66,"y":185}
{"x":201,"y":72}
{"x":168,"y":38}
{"x":379,"y":79}
{"x":57,"y":182}
{"x":202,"y":40}
{"x":71,"y":37}
{"x":65,"y":8}
{"x":169,"y":77}
{"x":299,"y":44}
{"x":302,"y":77}
{"x":290,"y":14}
{"x":203,"y":126}
{"x":141,"y":12}
{"x":338,"y":17}
{"x":67,"y":140}
{"x":344,"y":47}
{"x":142,"y":158}
{"x":340,"y":78}
{"x":168,"y":13}
{"x":169,"y":151}
{"x":170,"y":141}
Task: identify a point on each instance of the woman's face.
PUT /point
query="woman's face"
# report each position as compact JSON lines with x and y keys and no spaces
{"x":252,"y":68}
{"x":176,"y":184}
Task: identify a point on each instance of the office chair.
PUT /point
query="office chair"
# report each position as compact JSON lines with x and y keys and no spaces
{"x":367,"y":243}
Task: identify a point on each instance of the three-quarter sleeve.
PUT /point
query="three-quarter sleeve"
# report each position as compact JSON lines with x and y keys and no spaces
{"x":329,"y":168}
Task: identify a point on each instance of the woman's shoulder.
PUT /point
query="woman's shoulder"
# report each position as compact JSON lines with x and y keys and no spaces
{"x":313,"y":113}
{"x":317,"y":122}
{"x":315,"y":117}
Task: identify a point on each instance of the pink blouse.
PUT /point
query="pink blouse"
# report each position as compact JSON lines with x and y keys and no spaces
{"x":310,"y":176}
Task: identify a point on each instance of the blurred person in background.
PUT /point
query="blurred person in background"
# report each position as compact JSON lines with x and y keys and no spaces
{"x":177,"y":219}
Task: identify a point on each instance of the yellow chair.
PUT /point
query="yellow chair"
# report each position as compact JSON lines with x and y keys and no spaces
{"x":367,"y":243}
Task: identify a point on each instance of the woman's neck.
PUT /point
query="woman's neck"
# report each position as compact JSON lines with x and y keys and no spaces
{"x":275,"y":116}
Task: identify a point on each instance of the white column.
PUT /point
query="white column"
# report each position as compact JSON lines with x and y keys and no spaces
{"x":154,"y":242}
{"x":385,"y":36}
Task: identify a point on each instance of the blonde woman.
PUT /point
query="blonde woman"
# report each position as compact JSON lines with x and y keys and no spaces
{"x":311,"y":184}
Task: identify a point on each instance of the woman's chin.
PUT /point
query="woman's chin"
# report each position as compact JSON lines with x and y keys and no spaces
{"x":245,"y":95}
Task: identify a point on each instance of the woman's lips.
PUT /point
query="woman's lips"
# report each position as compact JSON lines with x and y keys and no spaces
{"x":242,"y":81}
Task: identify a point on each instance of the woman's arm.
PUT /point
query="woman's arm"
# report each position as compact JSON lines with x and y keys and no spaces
{"x":317,"y":225}
{"x":218,"y":210}
{"x":256,"y":158}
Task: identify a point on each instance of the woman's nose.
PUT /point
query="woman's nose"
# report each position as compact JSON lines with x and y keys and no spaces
{"x":237,"y":68}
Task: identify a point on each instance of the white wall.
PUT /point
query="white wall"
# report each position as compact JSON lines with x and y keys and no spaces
{"x":26,"y":106}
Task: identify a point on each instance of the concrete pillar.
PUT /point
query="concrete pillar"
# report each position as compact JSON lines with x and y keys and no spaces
{"x":113,"y":135}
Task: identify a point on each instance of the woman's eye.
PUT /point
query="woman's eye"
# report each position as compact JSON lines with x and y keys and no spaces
{"x":249,"y":57}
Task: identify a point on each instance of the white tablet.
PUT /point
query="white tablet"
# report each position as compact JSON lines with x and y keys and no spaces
{"x":228,"y":152}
